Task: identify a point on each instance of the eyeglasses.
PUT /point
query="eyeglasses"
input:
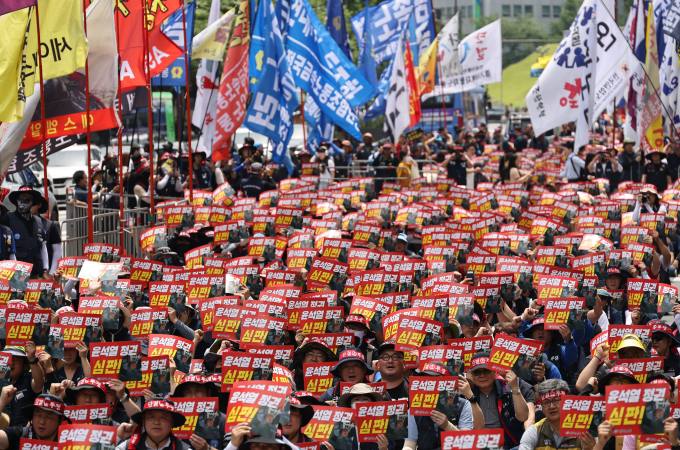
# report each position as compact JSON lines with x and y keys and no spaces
{"x":392,"y":357}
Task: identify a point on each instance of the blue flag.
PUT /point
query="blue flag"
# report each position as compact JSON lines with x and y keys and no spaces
{"x":377,"y":108}
{"x":335,"y":23}
{"x":320,"y":128}
{"x":173,"y":75}
{"x":387,"y":21}
{"x":273,"y":94}
{"x":367,"y":64}
{"x":321,"y":68}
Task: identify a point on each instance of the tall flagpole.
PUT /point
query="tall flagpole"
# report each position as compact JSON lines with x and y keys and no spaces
{"x":90,"y":218}
{"x":43,"y":119}
{"x":147,"y":70}
{"x":187,"y":108}
{"x":119,"y":136}
{"x":304,"y":123}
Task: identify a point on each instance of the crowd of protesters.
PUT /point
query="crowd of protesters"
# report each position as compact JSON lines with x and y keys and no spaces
{"x":472,"y":187}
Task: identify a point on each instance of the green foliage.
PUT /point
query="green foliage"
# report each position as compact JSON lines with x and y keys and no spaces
{"x":518,"y":29}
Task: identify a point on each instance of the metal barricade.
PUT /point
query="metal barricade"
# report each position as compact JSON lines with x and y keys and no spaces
{"x":106,"y":228}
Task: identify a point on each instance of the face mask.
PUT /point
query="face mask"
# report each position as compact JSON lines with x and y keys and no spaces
{"x":23,"y":206}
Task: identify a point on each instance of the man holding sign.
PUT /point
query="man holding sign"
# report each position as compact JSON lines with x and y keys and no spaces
{"x":546,"y":432}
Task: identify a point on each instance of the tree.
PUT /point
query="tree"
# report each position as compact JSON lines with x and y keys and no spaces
{"x":569,"y":10}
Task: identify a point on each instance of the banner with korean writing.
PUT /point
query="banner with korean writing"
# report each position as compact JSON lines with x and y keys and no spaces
{"x":616,"y":333}
{"x":314,"y":55}
{"x":429,"y":393}
{"x":238,"y":366}
{"x":37,"y":444}
{"x":180,"y":349}
{"x":569,"y":311}
{"x":329,"y":423}
{"x":318,"y":377}
{"x":489,"y":439}
{"x":202,"y":416}
{"x":5,"y":369}
{"x":145,"y":321}
{"x":79,"y":436}
{"x":63,"y":336}
{"x":96,"y":414}
{"x":643,"y":368}
{"x":258,"y":403}
{"x":637,"y":409}
{"x":155,"y":377}
{"x":116,"y":360}
{"x":510,"y":353}
{"x":381,"y":418}
{"x":91,"y":322}
{"x":414,"y":332}
{"x":261,"y":330}
{"x":24,"y":325}
{"x":579,"y":414}
{"x":16,"y":274}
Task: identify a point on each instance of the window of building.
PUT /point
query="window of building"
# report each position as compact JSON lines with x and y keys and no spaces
{"x":517,"y":10}
{"x":545,"y":11}
{"x":463,"y":13}
{"x":529,"y":10}
{"x":557,"y":10}
{"x":469,"y":11}
{"x":506,"y":11}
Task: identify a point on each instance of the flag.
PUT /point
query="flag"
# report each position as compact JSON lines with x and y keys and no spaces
{"x":397,"y":107}
{"x":173,"y":75}
{"x":274,"y":96}
{"x":320,"y":128}
{"x":14,"y":27}
{"x":367,"y":64}
{"x":132,"y":24}
{"x":203,"y":116}
{"x":210,"y":43}
{"x":321,"y":68}
{"x":335,"y":24}
{"x":555,"y":98}
{"x":103,"y":51}
{"x":651,"y":125}
{"x":480,"y":60}
{"x":387,"y":20}
{"x":64,"y":50}
{"x":587,"y":103}
{"x":377,"y":108}
{"x":426,"y":72}
{"x":233,"y":92}
{"x":11,"y":134}
{"x":8,"y":6}
{"x":447,"y":50}
{"x":414,"y":93}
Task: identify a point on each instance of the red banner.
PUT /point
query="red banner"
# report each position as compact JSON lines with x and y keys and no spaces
{"x":233,"y":94}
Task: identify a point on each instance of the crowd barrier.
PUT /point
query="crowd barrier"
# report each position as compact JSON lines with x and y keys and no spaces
{"x":107,"y":228}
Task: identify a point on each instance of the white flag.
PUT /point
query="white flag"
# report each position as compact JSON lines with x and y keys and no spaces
{"x":555,"y":98}
{"x":449,"y":65}
{"x":103,"y":51}
{"x":477,"y":61}
{"x":203,"y":116}
{"x":12,"y":133}
{"x":397,"y":115}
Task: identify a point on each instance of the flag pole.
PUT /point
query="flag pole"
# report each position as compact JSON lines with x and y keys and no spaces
{"x":90,"y":218}
{"x":187,"y":108}
{"x":302,"y":112}
{"x":119,"y":136}
{"x":43,"y":119}
{"x":149,"y":113}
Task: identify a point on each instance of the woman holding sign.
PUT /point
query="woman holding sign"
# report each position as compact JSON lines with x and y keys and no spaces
{"x":158,"y":419}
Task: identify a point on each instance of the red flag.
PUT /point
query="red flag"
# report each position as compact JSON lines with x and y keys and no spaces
{"x":413,"y":89}
{"x":233,"y":93}
{"x":131,"y":27}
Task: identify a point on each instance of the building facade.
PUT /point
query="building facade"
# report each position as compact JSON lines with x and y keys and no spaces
{"x":544,"y":12}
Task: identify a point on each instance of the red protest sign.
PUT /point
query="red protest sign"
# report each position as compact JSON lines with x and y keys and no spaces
{"x":373,"y":419}
{"x":579,"y":414}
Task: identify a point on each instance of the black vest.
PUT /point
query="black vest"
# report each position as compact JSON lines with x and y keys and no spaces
{"x":28,"y":239}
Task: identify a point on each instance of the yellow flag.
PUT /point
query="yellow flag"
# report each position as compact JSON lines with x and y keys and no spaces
{"x":63,"y":50}
{"x":426,"y":68}
{"x":212,"y":41}
{"x":13,"y":26}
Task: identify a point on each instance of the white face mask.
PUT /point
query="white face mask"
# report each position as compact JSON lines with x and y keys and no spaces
{"x":359,"y":333}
